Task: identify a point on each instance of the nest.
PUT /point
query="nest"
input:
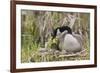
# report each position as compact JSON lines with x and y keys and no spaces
{"x":55,"y":55}
{"x":82,"y":53}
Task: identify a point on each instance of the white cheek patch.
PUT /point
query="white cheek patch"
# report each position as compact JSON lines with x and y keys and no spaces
{"x":58,"y":32}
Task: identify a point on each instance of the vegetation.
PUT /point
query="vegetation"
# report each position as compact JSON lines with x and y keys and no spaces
{"x":36,"y":40}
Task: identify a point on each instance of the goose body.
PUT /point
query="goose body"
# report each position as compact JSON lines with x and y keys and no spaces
{"x":70,"y":44}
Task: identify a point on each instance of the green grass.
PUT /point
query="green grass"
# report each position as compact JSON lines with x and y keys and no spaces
{"x":27,"y":52}
{"x":31,"y":53}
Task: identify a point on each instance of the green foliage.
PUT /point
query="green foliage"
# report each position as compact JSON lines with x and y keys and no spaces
{"x":27,"y":52}
{"x":52,"y":44}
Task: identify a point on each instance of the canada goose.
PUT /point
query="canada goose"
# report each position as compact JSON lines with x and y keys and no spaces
{"x":70,"y":42}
